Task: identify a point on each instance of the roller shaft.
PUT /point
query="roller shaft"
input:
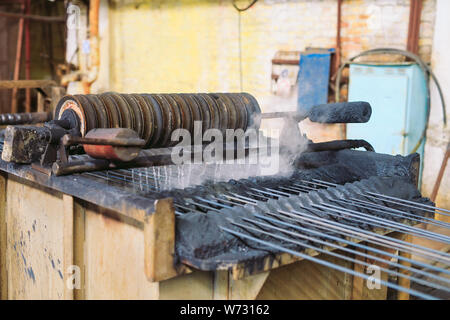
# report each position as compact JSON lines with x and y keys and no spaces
{"x":156,"y":116}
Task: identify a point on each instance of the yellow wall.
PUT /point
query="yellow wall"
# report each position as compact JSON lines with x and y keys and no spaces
{"x":194,"y":45}
{"x":187,"y":45}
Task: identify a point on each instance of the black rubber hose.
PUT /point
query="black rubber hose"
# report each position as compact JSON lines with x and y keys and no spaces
{"x":423,"y":66}
{"x":339,"y":145}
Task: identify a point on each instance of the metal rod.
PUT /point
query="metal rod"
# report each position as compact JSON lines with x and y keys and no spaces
{"x":177,"y":205}
{"x":358,"y":245}
{"x":391,"y":224}
{"x":266,"y":192}
{"x":213,"y":202}
{"x":278,"y":192}
{"x":304,"y":186}
{"x":401,"y":245}
{"x":415,"y":204}
{"x":297,"y":190}
{"x":32,"y":17}
{"x":385,"y":222}
{"x":315,"y":183}
{"x":418,"y":218}
{"x":232,"y":203}
{"x":325,"y":263}
{"x":343,"y":248}
{"x":326,"y":182}
{"x":117,"y":175}
{"x":360,"y":234}
{"x":201,"y":205}
{"x":257,"y":195}
{"x":249,"y":200}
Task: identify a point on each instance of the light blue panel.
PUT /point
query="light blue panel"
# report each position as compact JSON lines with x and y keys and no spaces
{"x":416,"y":111}
{"x":397,"y":94}
{"x":387,"y":94}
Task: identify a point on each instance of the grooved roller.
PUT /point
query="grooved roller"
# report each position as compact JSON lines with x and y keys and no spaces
{"x":155,"y":116}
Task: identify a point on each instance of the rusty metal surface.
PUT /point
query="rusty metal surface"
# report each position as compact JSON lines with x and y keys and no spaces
{"x":156,"y":116}
{"x":24,"y":118}
{"x":118,"y":144}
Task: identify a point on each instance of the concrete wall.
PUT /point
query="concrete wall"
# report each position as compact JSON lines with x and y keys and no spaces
{"x":438,"y":136}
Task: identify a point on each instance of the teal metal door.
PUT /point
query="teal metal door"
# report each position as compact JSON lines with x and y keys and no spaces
{"x":387,"y":95}
{"x":397,"y":94}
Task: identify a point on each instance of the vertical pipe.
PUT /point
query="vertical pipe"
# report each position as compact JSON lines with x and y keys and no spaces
{"x":437,"y":184}
{"x":337,"y":61}
{"x":27,"y":57}
{"x":17,"y":63}
{"x":94,"y":8}
{"x":343,"y":126}
{"x":414,"y":26}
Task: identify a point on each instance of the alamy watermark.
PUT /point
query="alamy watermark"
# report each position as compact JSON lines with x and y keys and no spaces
{"x":227,"y":146}
{"x":73,"y":16}
{"x":374,"y":280}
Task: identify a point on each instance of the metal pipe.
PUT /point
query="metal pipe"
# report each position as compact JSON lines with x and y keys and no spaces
{"x":24,"y":118}
{"x":32,"y":17}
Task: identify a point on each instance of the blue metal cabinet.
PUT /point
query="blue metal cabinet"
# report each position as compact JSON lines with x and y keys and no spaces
{"x":397,"y":93}
{"x":313,"y":78}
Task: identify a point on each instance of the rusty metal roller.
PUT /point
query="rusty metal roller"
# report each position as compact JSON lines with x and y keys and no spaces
{"x":154,"y":117}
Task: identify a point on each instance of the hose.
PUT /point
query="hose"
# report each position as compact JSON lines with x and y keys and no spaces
{"x":243,"y":9}
{"x":339,"y":145}
{"x":423,"y":66}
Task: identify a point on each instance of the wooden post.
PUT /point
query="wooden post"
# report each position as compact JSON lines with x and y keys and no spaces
{"x":358,"y":282}
{"x":79,"y":227}
{"x":40,"y":102}
{"x":3,"y":239}
{"x":56,"y":94}
{"x":404,"y":282}
{"x":159,"y":238}
{"x":17,"y":65}
{"x":68,"y":245}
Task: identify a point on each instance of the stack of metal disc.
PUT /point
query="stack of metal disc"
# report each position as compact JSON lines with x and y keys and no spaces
{"x":155,"y":116}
